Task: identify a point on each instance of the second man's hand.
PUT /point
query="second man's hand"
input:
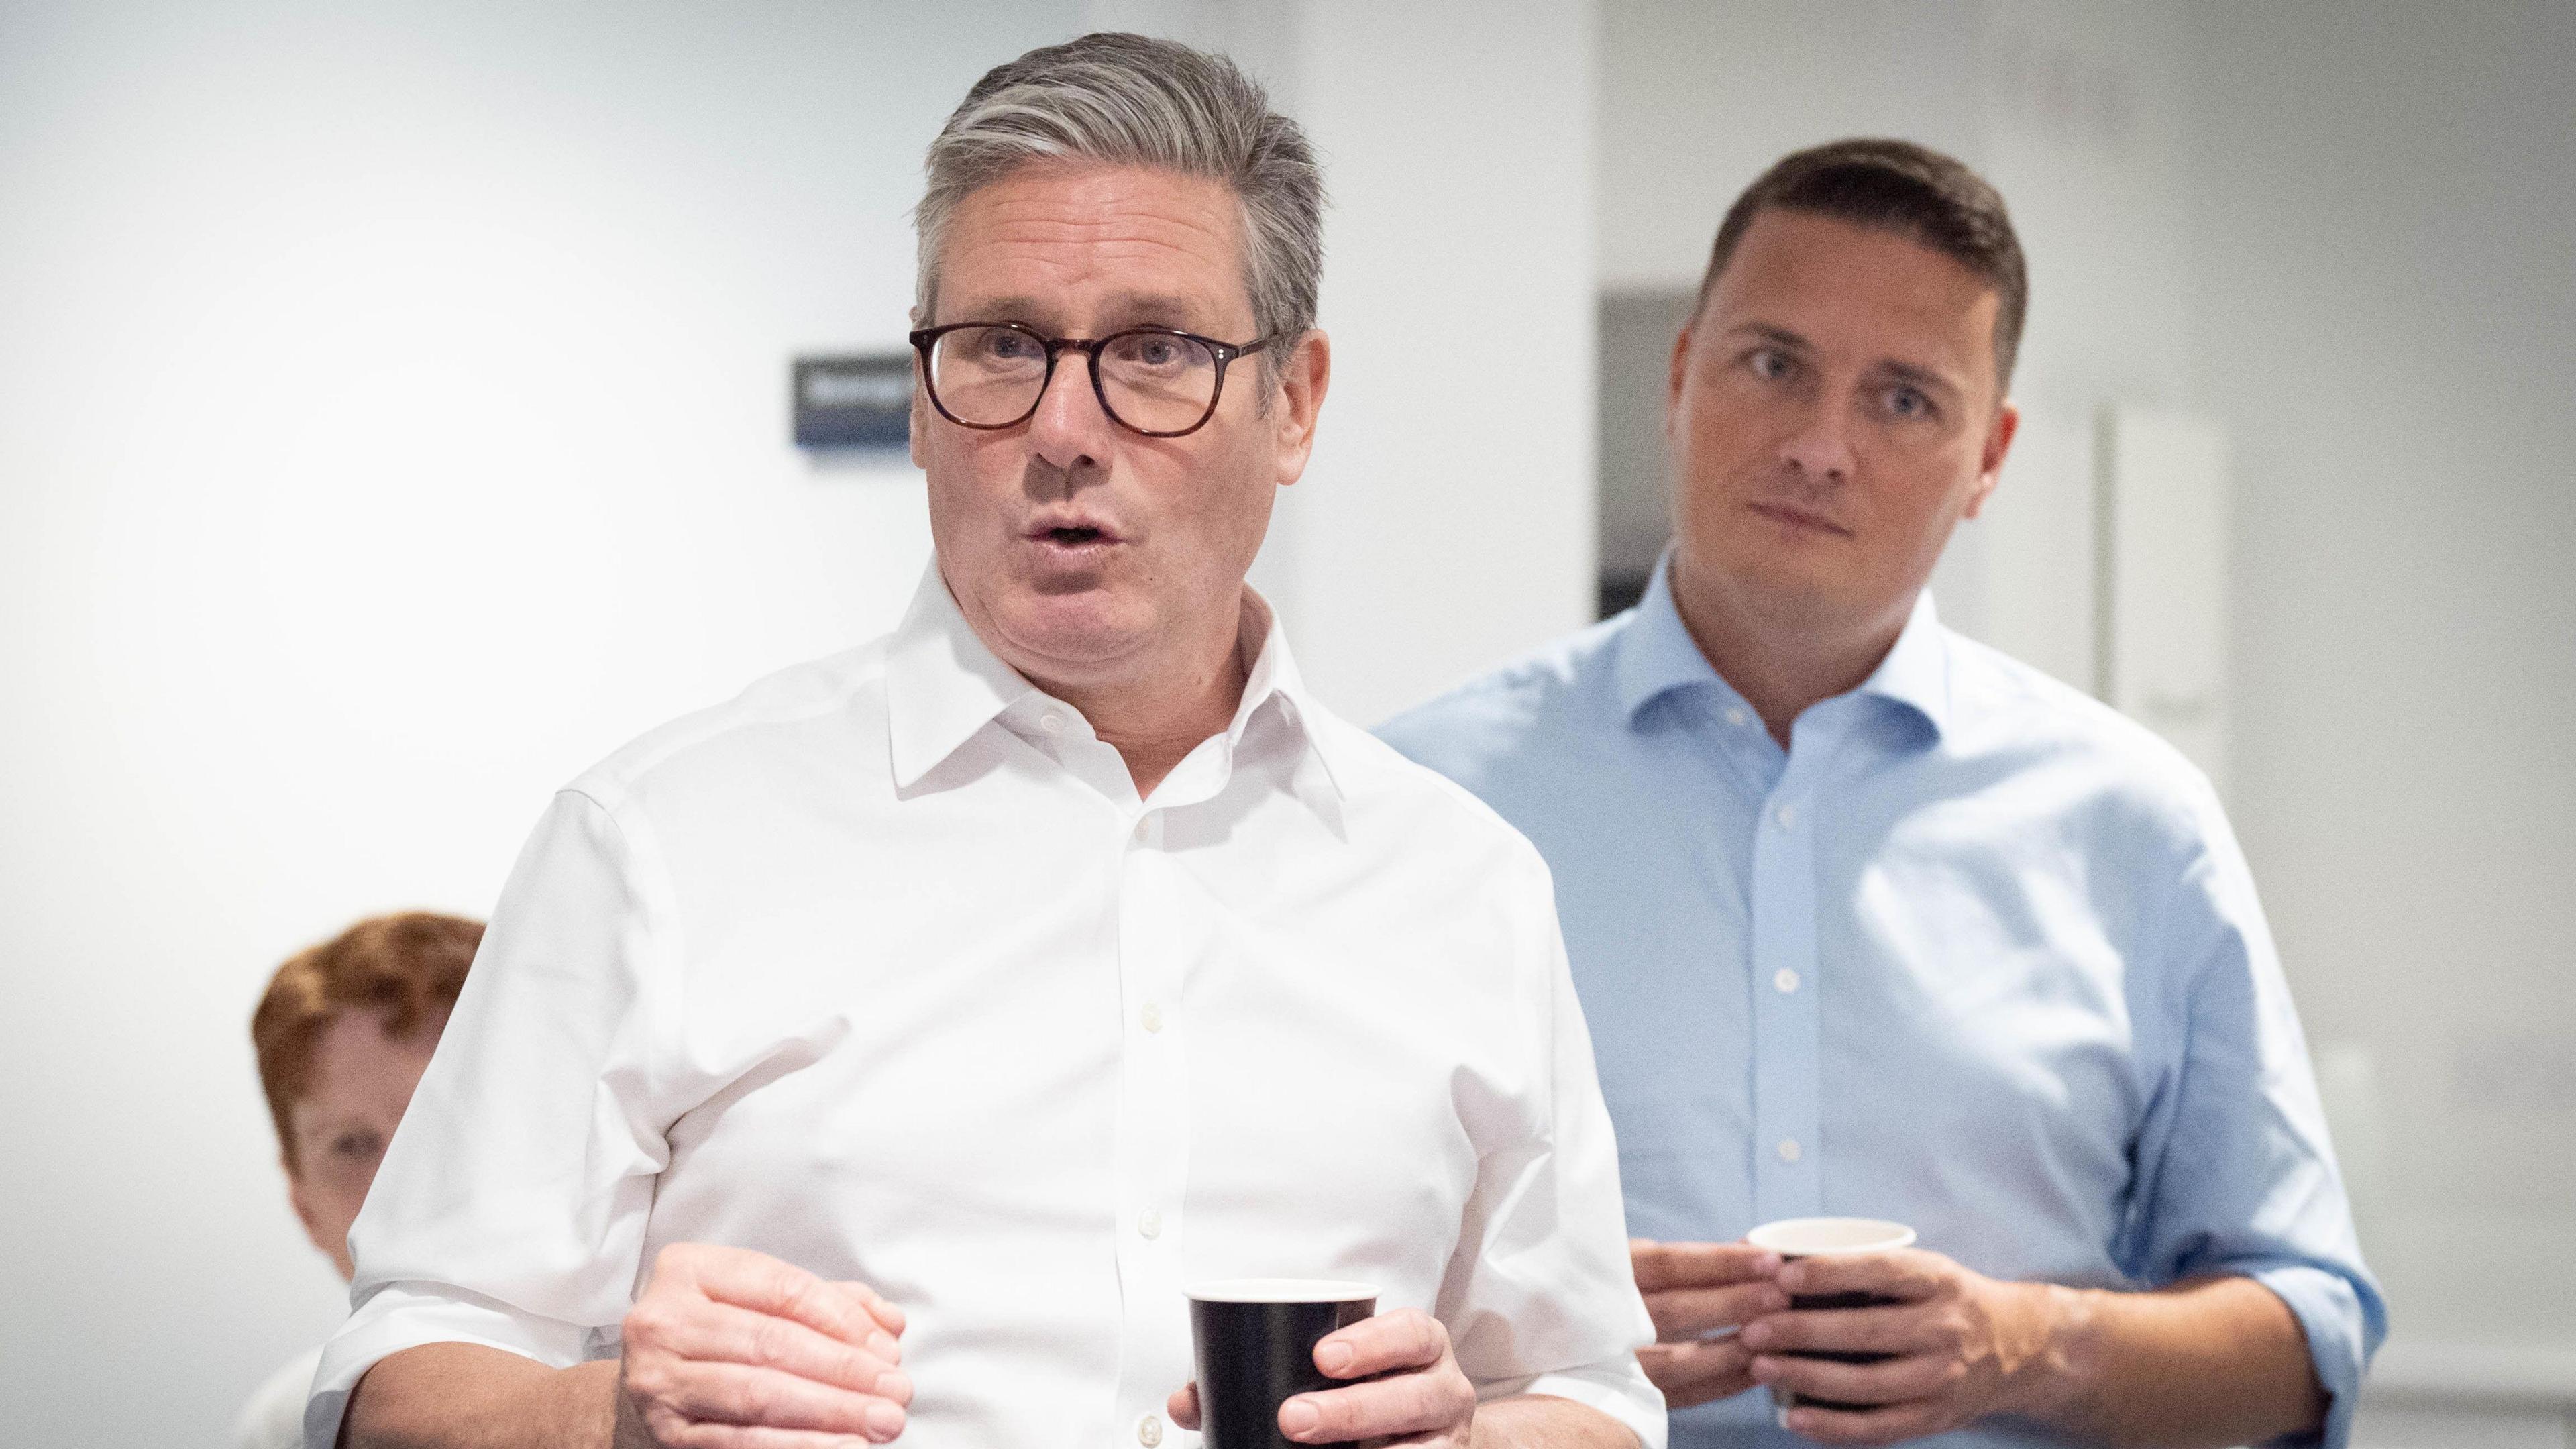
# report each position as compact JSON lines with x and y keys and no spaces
{"x":1423,"y":1399}
{"x":732,"y":1349}
{"x":1959,"y":1346}
{"x":1696,"y":1293}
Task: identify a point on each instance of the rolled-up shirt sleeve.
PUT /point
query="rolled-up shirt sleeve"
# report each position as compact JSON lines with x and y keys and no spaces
{"x":511,"y":1206}
{"x":1541,"y":1299}
{"x":2238,"y":1173}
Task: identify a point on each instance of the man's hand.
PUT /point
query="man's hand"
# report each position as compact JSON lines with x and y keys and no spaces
{"x":1694,"y":1291}
{"x":732,"y":1349}
{"x":1424,"y":1399}
{"x":1964,"y":1346}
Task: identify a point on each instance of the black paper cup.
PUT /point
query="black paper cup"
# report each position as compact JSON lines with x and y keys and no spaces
{"x":1256,"y":1342}
{"x":1830,"y":1238}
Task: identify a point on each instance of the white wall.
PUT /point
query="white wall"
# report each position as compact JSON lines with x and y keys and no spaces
{"x":1698,"y":97}
{"x":1447,"y":523}
{"x":391,"y":421}
{"x":2384,"y":195}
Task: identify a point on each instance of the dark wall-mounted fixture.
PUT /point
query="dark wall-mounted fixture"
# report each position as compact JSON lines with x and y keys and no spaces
{"x":862,"y":400}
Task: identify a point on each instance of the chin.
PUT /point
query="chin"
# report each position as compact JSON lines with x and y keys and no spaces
{"x":1087,"y":628}
{"x":1782,"y":587}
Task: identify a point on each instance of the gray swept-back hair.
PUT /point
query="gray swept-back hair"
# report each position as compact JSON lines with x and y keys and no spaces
{"x":1131,"y":100}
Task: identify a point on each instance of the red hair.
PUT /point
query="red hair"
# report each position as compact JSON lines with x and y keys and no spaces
{"x":406,"y":968}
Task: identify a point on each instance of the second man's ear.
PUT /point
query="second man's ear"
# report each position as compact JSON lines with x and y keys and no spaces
{"x":1990,"y":466}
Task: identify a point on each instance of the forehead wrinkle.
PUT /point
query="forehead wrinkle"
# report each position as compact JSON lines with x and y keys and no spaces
{"x":1075,"y":219}
{"x":1092,"y":254}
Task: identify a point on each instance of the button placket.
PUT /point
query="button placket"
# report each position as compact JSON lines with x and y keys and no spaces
{"x":1157,"y":932}
{"x":1786,"y":1028}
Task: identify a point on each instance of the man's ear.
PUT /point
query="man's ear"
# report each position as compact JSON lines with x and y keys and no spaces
{"x":1304,"y":378}
{"x":1990,"y":464}
{"x":1677,"y":372}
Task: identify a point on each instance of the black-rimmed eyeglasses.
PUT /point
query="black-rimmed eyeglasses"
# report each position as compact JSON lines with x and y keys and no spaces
{"x":1151,"y":380}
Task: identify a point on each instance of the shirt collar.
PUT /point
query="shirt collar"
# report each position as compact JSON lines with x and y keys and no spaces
{"x":1657,"y":655}
{"x":943,"y":683}
{"x":1916,"y":672}
{"x":1273,"y":675}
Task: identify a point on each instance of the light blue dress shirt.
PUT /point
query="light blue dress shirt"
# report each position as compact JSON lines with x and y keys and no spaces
{"x":1975,"y":953}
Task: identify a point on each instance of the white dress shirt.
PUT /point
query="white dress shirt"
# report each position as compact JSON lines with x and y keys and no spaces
{"x":885,"y":969}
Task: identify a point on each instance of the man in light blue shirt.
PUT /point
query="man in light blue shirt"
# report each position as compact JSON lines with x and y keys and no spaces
{"x":1870,"y":920}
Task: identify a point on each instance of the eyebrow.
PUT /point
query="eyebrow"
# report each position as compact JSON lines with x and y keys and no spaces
{"x":1770,"y":333}
{"x":1923,"y":377}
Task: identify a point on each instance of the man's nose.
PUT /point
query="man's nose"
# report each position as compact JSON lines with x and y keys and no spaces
{"x":1069,"y":428}
{"x":1819,"y":448}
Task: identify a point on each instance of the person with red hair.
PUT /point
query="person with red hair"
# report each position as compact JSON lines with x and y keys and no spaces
{"x":343,"y":1034}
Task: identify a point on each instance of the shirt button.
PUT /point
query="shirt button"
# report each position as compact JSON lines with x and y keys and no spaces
{"x":1735,"y":715}
{"x":1149,"y":1431}
{"x":1150,"y":1223}
{"x":1785,"y":979}
{"x":1051,"y":722}
{"x":1785,"y":813}
{"x":1145,"y":829}
{"x":1789,"y":1149}
{"x":1151,"y":1017}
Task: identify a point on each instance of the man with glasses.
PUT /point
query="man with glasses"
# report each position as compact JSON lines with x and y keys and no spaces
{"x":882,"y":1053}
{"x":1875,"y":922}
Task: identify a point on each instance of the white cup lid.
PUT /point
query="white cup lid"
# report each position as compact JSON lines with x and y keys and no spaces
{"x":1829,"y":1237}
{"x":1280,"y":1290}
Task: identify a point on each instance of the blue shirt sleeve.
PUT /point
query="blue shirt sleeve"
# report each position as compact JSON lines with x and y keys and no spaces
{"x":2236,"y":1174}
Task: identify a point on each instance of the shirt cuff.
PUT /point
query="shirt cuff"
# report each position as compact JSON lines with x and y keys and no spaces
{"x":1621,"y":1391}
{"x":2330,"y":1314}
{"x":398,"y":1316}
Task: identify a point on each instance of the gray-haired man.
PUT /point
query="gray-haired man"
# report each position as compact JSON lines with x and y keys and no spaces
{"x":912,"y":1030}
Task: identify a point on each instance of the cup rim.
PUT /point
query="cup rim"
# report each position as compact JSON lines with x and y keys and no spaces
{"x":1842,"y":1236}
{"x":1280,"y":1290}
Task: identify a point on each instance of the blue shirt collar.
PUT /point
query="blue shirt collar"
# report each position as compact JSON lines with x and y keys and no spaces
{"x":1657,"y":656}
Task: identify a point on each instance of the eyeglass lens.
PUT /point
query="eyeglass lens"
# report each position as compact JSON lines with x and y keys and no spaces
{"x":1154,"y":382}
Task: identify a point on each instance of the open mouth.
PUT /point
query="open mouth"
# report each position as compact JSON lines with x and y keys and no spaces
{"x":1070,"y":532}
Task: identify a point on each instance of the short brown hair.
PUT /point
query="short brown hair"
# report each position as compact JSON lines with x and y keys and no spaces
{"x":1901,"y":187}
{"x":406,"y":967}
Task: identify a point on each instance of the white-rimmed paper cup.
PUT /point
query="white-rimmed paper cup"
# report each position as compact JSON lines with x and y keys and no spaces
{"x":1830,"y":1238}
